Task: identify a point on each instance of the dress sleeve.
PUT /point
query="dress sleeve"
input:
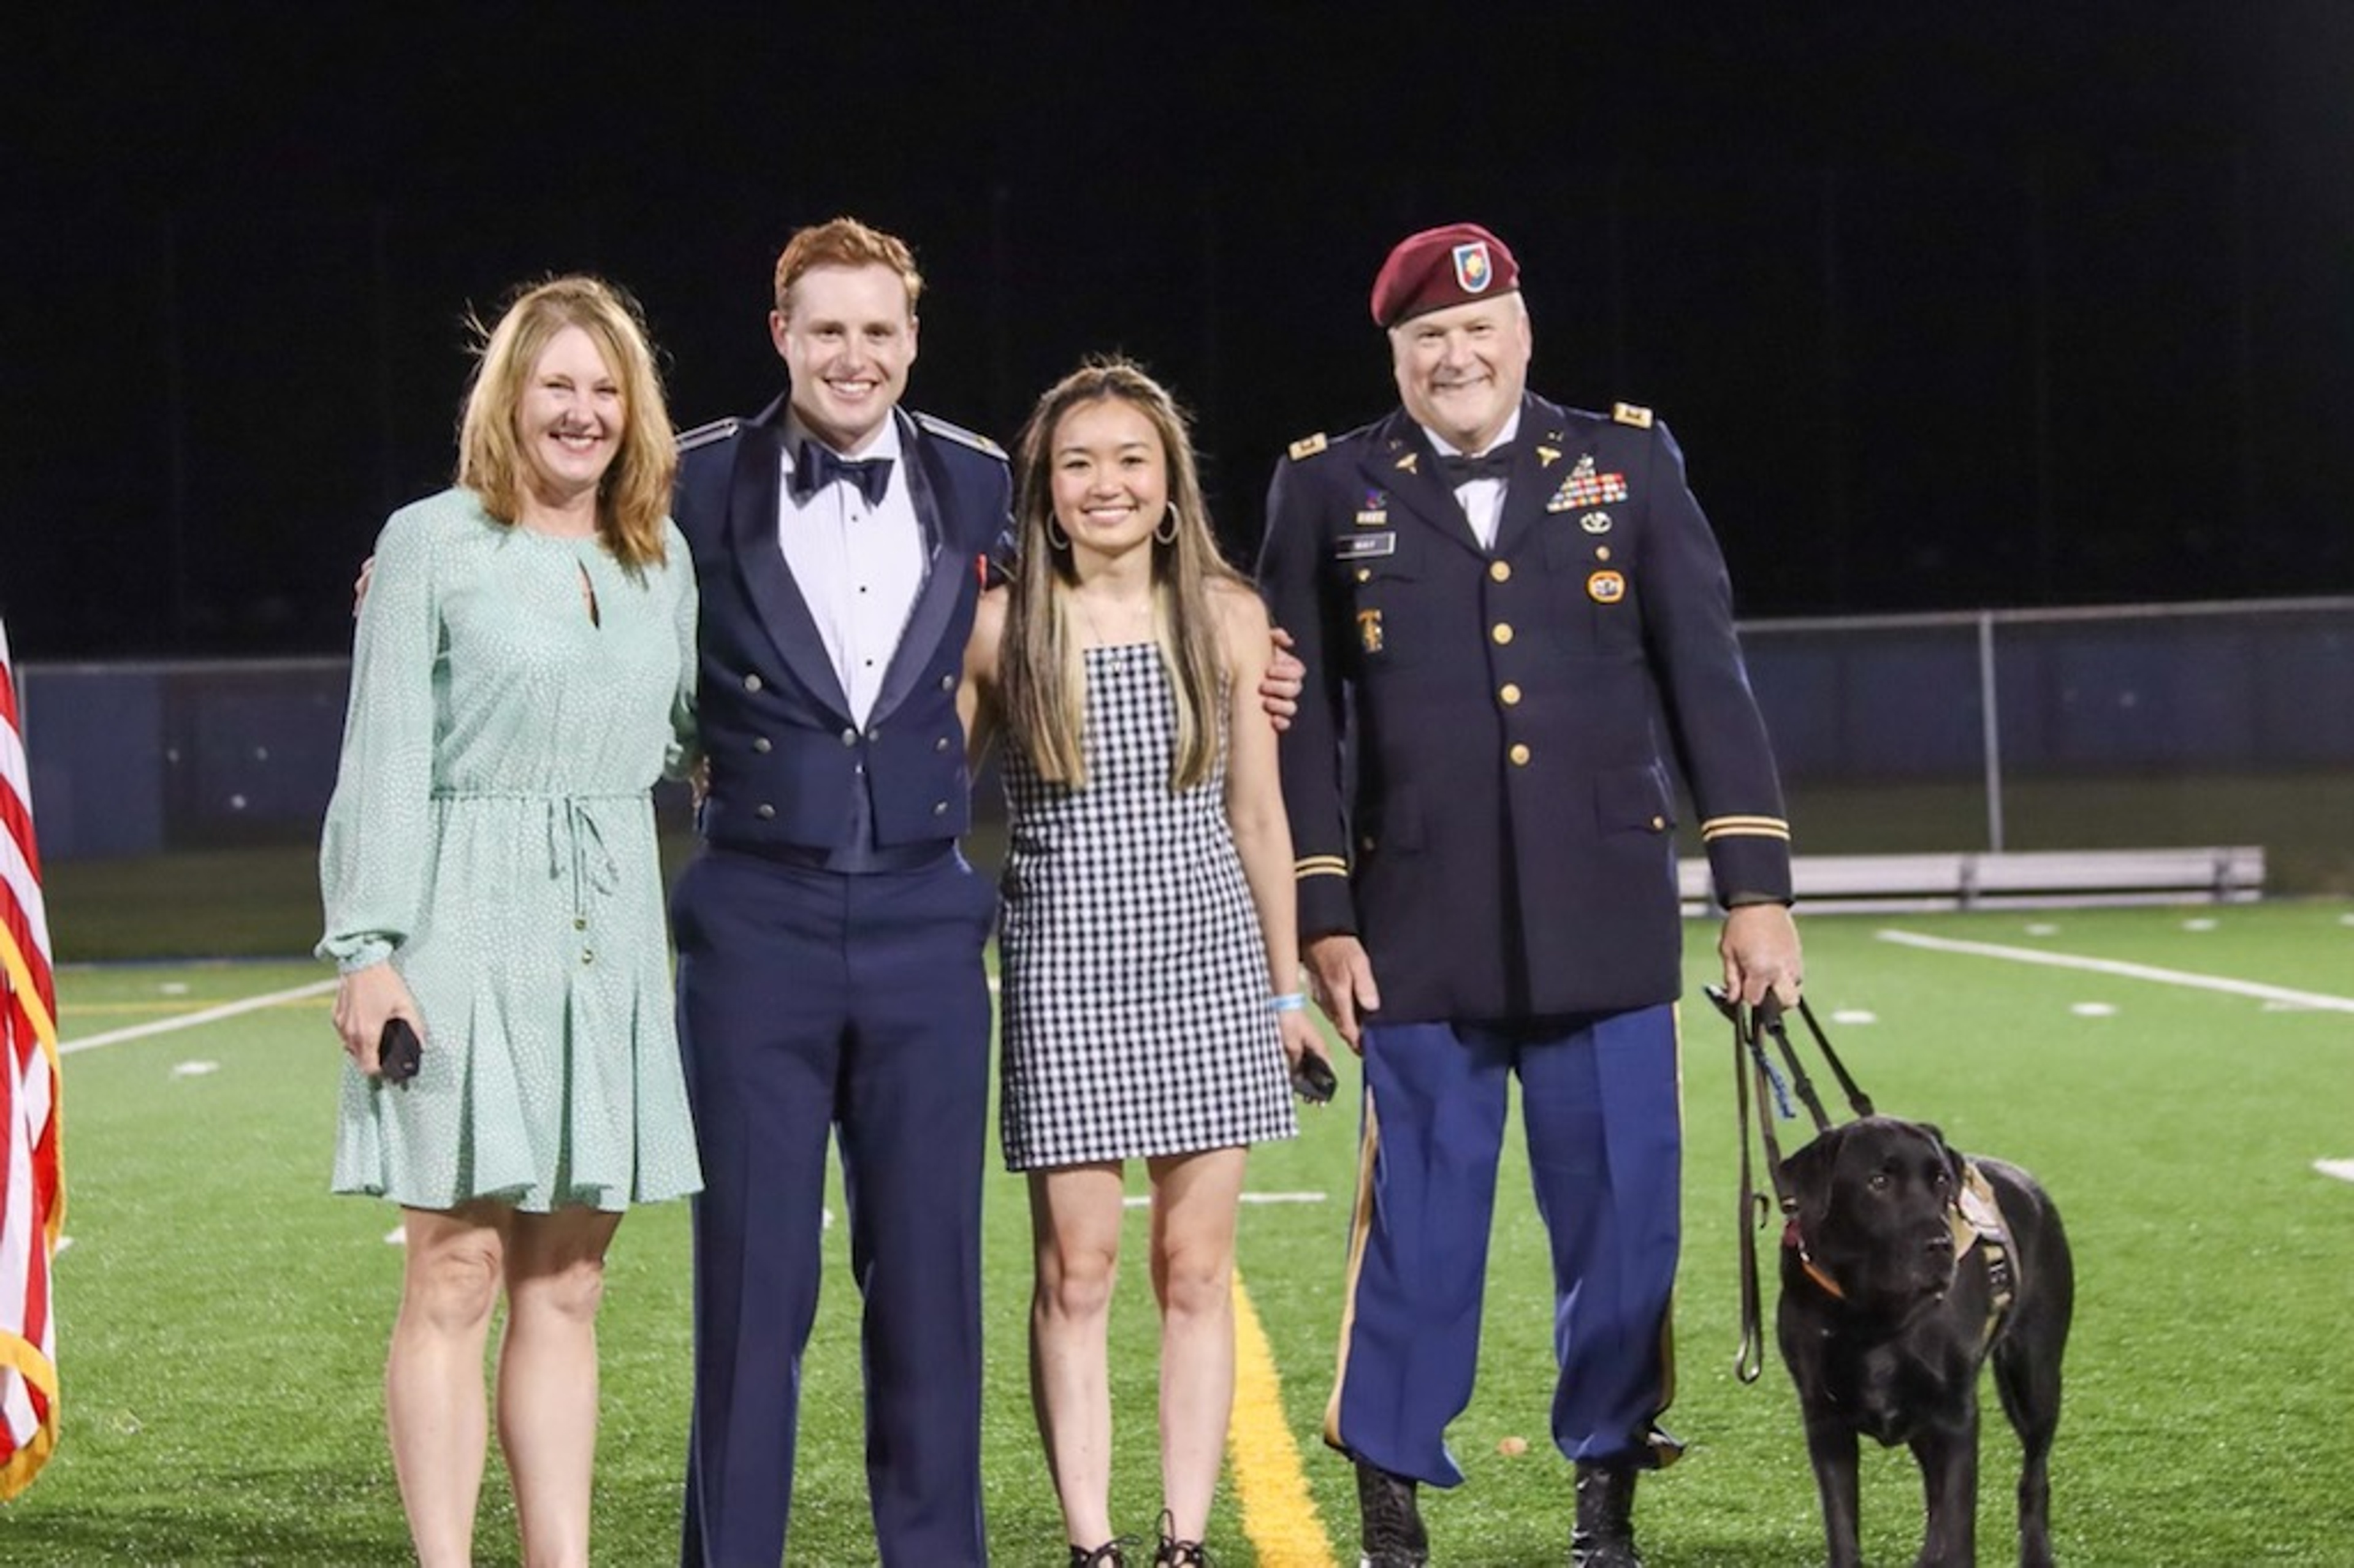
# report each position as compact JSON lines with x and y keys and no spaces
{"x":684,"y":749}
{"x":374,"y":855}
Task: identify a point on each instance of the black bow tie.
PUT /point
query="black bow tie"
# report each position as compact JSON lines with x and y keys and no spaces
{"x":818,"y":465}
{"x":1496,"y":463}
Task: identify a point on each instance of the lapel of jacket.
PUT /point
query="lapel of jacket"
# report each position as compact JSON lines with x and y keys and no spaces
{"x":1399,"y":460}
{"x":946,"y":575}
{"x":760,"y":559}
{"x":1541,"y":457}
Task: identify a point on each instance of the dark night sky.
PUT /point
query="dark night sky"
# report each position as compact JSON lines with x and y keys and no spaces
{"x":1951,"y":305}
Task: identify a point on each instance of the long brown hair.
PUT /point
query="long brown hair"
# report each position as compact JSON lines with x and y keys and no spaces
{"x":1041,"y":672}
{"x":633,"y":498}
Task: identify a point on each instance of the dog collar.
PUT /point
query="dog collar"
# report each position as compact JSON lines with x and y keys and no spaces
{"x":1796,"y":1242}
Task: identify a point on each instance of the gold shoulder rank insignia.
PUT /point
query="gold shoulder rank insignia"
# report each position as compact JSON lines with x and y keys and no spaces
{"x":704,"y":435}
{"x":1309,"y":446}
{"x":1633,"y":414}
{"x":934,"y":426}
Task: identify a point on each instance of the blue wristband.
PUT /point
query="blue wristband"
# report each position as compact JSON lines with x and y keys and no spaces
{"x":1289,"y":1001}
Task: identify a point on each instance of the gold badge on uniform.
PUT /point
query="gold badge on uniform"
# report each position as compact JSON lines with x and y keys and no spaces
{"x":1373,"y":510}
{"x":1605,"y":586}
{"x":1409,"y":461}
{"x":1369,"y":630}
{"x":1548,"y":456}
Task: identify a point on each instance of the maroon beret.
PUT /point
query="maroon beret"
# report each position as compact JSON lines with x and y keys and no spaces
{"x":1442,"y":267}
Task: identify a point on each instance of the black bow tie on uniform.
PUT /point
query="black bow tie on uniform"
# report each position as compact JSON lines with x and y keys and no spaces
{"x":1496,"y":463}
{"x":817,"y":465}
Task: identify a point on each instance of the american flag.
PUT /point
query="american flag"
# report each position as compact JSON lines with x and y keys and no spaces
{"x":32,"y":1189}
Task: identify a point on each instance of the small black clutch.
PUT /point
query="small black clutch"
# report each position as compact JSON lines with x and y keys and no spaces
{"x":399,"y":1053}
{"x":1312,"y":1080}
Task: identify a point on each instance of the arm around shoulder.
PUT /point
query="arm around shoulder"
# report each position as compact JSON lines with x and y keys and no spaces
{"x":977,"y":707}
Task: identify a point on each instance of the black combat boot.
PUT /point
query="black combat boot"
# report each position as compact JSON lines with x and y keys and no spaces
{"x":1604,"y":1535}
{"x":1392,"y":1524}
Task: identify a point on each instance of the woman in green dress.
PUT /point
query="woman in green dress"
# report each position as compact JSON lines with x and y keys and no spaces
{"x":524,"y":674}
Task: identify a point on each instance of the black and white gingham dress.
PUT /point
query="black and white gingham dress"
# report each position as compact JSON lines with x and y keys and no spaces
{"x":1134,"y":985}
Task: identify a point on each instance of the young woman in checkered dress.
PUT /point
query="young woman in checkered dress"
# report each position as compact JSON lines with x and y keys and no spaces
{"x":1151,"y":1005}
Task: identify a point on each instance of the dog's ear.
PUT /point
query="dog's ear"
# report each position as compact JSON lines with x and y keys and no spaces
{"x":1956,"y":1166}
{"x":1806,"y":1175}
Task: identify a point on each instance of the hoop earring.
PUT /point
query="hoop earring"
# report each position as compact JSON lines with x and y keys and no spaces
{"x":1056,"y":538}
{"x":1166,"y":532}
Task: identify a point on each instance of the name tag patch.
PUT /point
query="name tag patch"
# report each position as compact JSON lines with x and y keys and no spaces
{"x":1358,"y":546}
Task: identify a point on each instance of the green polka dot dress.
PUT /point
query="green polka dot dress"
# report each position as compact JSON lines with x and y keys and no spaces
{"x":492,"y":834}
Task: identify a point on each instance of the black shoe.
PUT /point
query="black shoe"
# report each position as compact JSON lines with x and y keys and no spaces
{"x":1107,"y":1555}
{"x":1175,"y":1554}
{"x":1603,"y":1534}
{"x":1392,"y":1529}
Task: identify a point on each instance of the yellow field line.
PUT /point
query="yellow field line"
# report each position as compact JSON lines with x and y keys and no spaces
{"x":1279,"y":1515}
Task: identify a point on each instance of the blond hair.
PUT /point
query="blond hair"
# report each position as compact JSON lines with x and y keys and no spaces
{"x":1042,"y":674}
{"x":633,"y":498}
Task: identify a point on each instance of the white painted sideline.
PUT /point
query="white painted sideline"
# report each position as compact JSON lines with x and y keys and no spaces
{"x":2318,"y":1000}
{"x":190,"y":1020}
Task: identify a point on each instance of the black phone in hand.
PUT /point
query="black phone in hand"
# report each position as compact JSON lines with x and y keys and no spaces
{"x":398,"y":1054}
{"x":1312,"y":1079}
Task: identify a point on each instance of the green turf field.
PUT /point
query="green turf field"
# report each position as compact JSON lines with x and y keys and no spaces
{"x":222,"y":1318}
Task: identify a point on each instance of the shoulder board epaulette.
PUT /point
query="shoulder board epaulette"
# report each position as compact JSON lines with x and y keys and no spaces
{"x":1633,"y":414}
{"x":937,"y":427}
{"x":1309,"y":446}
{"x":704,"y":435}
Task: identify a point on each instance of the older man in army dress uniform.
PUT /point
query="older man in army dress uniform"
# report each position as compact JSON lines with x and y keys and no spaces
{"x":1513,"y":614}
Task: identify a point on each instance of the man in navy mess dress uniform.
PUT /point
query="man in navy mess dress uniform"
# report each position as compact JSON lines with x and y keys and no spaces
{"x":829,"y":933}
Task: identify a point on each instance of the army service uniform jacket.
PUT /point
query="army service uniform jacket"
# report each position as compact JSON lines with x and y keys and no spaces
{"x":1479,"y":777}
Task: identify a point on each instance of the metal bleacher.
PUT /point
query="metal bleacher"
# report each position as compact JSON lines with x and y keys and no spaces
{"x":2026,"y":879}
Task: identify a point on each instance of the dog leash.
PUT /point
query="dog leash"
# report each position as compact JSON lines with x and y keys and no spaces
{"x":1751,"y":1067}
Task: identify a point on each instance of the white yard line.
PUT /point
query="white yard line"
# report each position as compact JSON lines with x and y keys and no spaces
{"x":191,"y":1020}
{"x":2317,"y":1001}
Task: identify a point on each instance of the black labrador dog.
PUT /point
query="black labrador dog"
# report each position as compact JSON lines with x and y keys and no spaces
{"x":1905,"y":1268}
